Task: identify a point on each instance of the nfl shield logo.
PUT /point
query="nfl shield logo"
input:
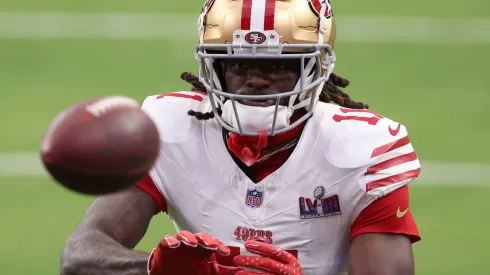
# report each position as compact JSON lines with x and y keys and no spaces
{"x":254,"y":198}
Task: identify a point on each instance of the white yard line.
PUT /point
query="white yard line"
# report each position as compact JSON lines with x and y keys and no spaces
{"x":372,"y":29}
{"x":18,"y":164}
{"x":21,"y":164}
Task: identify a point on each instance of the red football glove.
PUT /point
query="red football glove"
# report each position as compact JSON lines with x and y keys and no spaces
{"x":189,"y":254}
{"x":273,"y":259}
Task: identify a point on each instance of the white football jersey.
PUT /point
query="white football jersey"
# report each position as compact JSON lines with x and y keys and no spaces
{"x":344,"y":160}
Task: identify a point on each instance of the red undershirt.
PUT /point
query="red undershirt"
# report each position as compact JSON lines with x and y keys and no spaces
{"x":379,"y":217}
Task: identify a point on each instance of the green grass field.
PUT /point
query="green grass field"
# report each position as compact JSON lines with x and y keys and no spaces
{"x":440,"y":91}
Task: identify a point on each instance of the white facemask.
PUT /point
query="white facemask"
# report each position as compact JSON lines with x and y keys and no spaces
{"x":254,"y":118}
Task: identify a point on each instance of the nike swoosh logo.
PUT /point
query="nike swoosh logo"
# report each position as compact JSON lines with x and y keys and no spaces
{"x":394,"y":132}
{"x":400,"y":214}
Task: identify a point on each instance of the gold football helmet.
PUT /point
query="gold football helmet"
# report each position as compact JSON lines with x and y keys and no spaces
{"x":267,"y":29}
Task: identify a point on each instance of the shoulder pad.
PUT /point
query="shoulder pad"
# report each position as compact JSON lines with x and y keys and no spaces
{"x":169,"y":112}
{"x":362,"y":139}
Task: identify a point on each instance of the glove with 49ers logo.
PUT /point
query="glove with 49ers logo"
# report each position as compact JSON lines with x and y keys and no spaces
{"x":273,"y":259}
{"x":189,"y":254}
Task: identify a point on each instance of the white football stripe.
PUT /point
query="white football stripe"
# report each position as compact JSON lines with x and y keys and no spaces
{"x":394,"y":170}
{"x":258,"y":15}
{"x":383,"y":190}
{"x":405,"y":149}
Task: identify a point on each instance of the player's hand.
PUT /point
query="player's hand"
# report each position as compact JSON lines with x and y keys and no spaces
{"x":189,"y":254}
{"x":273,"y":259}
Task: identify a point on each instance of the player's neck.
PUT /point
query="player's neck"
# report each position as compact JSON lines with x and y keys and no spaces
{"x":252,"y":150}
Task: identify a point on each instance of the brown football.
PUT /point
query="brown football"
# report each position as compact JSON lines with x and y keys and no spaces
{"x":101,"y":145}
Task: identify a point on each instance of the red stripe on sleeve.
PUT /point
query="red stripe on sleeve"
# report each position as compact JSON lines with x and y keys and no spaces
{"x":390,"y":146}
{"x":391,"y":162}
{"x":392,"y":179}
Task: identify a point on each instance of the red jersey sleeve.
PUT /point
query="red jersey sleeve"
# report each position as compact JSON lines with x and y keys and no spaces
{"x":147,"y":185}
{"x":390,"y":214}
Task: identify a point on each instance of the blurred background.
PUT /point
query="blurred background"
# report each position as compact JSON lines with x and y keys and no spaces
{"x":424,"y":63}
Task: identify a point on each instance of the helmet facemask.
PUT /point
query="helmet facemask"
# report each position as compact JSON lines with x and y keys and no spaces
{"x":316,"y":65}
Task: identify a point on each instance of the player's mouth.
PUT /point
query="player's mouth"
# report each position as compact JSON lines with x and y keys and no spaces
{"x":259,"y":103}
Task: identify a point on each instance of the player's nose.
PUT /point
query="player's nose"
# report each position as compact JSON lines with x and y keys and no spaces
{"x":257,"y":82}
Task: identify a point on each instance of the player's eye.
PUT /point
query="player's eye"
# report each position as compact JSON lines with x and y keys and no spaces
{"x":239,"y":66}
{"x":276,"y":66}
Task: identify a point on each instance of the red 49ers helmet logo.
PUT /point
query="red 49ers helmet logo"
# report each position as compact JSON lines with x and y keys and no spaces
{"x":207,"y":5}
{"x":255,"y":38}
{"x":316,"y":7}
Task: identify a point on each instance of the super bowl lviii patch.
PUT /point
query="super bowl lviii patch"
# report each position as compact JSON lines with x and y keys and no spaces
{"x":319,"y":207}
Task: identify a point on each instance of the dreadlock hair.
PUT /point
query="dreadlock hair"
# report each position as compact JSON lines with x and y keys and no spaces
{"x":330,"y":93}
{"x":197,"y":86}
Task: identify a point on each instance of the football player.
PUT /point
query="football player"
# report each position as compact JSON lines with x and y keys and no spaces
{"x":266,"y":166}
